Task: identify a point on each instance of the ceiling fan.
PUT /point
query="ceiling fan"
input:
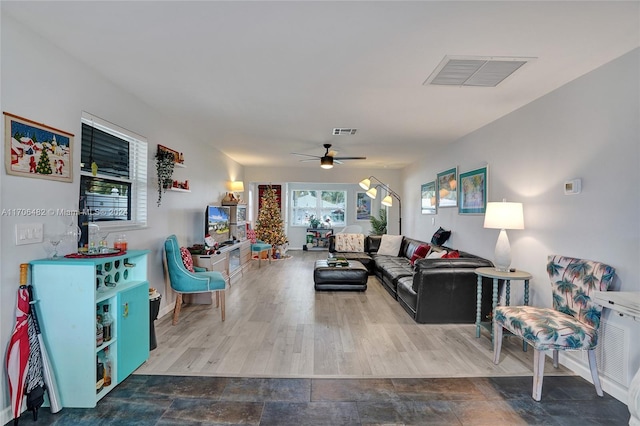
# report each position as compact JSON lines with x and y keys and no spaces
{"x":329,"y":157}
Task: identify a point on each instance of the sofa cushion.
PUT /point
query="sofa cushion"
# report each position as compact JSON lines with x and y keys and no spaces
{"x":453,"y":254}
{"x":440,"y":236}
{"x":421,"y":252}
{"x":390,"y":245}
{"x":350,"y":243}
{"x":436,"y":255}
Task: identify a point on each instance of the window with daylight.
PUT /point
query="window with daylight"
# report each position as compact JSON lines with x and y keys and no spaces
{"x":327,"y":206}
{"x":113,"y":176}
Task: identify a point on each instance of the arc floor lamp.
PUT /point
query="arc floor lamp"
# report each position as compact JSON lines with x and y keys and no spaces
{"x":372,"y":192}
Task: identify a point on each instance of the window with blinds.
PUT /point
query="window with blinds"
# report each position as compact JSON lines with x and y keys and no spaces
{"x":113,"y":176}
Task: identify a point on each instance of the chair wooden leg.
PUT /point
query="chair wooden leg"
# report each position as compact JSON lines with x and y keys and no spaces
{"x":497,"y":341}
{"x":538,"y":373}
{"x":221,"y":302}
{"x":217,"y":299}
{"x":176,"y":308}
{"x":594,"y":371}
{"x":555,"y":358}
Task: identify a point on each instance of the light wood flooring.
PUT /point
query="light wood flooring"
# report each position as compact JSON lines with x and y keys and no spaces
{"x":277,"y":325}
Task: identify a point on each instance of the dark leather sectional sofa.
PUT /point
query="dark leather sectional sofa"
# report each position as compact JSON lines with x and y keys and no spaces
{"x":436,"y":291}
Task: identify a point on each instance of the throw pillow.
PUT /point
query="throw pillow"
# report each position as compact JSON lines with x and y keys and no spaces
{"x":436,"y":254}
{"x":420,"y":253}
{"x":251,"y":236}
{"x":353,"y":243}
{"x":440,"y":236}
{"x":453,"y":254}
{"x":390,"y":245}
{"x":187,"y":259}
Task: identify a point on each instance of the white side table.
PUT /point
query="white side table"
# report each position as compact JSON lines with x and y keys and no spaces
{"x":626,"y":303}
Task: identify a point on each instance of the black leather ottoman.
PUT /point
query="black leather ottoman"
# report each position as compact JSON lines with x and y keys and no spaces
{"x":352,"y":277}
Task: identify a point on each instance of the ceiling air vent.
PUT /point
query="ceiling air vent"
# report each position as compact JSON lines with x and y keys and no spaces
{"x":477,"y":71}
{"x":342,"y":131}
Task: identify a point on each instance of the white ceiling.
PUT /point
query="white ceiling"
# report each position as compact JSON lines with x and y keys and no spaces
{"x":259,"y":80}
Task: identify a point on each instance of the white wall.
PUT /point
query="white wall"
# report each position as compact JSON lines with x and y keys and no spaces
{"x":338,"y":178}
{"x":42,"y":83}
{"x":588,"y":129}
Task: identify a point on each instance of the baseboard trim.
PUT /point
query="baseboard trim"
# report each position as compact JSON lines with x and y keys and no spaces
{"x":614,"y":389}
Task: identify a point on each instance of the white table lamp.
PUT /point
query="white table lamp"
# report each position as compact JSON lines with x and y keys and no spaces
{"x":503,"y":216}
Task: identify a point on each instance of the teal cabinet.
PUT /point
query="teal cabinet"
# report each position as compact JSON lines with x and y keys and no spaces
{"x":132,"y":329}
{"x":71,"y":293}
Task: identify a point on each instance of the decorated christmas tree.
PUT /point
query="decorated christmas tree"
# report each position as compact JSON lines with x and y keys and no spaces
{"x":44,"y":166}
{"x":269,"y":226}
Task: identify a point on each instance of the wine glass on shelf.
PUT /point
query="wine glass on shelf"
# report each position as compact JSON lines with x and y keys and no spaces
{"x":54,"y":240}
{"x":73,"y":231}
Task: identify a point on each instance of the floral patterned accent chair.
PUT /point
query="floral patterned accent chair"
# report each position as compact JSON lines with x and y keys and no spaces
{"x":572,"y":324}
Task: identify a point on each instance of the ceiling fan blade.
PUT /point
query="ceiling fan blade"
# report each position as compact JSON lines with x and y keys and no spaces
{"x":349,"y":158}
{"x":306,"y":160}
{"x":332,"y":153}
{"x":306,"y":155}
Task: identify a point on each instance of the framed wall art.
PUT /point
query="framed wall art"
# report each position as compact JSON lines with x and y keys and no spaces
{"x":36,"y":150}
{"x":428,"y":198}
{"x":447,"y":188}
{"x":363,"y":206}
{"x":473,"y":191}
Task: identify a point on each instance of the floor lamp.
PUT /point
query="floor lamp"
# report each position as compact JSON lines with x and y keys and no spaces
{"x":372,"y":192}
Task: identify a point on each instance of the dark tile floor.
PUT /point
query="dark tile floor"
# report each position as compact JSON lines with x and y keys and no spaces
{"x":171,"y":400}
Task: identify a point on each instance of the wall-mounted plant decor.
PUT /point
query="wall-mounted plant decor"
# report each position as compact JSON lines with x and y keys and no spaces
{"x":165,"y":162}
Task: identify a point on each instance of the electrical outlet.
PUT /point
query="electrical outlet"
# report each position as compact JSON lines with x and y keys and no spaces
{"x":433,"y":221}
{"x":29,"y":233}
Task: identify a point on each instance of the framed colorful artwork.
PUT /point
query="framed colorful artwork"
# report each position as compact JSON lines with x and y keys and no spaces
{"x":428,"y":198}
{"x":36,"y":150}
{"x":363,"y":206}
{"x":473,"y":191}
{"x":447,"y":188}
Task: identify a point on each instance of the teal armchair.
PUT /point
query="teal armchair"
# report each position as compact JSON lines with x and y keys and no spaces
{"x":184,"y":281}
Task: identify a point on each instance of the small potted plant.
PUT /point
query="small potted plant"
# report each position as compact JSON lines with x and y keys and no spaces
{"x":314,"y":222}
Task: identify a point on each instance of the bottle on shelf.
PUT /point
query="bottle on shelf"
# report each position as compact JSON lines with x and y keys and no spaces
{"x":107,"y":322}
{"x":106,"y":360}
{"x":99,"y":375}
{"x":99,"y":330}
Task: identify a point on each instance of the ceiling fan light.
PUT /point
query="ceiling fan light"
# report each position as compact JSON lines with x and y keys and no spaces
{"x":326,"y":162}
{"x":372,"y":193}
{"x":387,"y":201}
{"x":365,"y":184}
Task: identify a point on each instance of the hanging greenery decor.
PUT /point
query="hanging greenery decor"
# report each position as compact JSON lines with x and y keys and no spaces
{"x":165,"y":161}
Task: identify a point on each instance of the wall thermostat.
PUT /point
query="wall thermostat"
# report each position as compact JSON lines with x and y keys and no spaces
{"x":572,"y":187}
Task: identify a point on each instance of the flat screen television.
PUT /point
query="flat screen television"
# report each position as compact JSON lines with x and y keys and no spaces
{"x":217,"y":223}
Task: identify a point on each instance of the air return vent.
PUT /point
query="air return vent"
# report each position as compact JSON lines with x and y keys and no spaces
{"x":477,"y":71}
{"x":338,"y":131}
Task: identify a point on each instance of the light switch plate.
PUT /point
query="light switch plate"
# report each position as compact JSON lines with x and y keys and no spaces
{"x":29,"y":233}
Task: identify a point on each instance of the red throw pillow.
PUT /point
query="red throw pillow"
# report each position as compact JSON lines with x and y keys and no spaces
{"x":420,"y":252}
{"x":454,"y":254}
{"x":187,"y":259}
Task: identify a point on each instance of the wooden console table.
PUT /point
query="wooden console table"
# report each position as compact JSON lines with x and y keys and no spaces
{"x":625,"y":303}
{"x":490,"y":272}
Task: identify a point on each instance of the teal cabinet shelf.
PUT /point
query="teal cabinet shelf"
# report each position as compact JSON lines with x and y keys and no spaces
{"x":71,"y":293}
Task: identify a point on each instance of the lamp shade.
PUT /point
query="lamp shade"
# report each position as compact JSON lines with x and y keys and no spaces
{"x":365,"y":184}
{"x":326,"y":162}
{"x":387,"y":201}
{"x":372,"y":192}
{"x":503,"y":215}
{"x":237,"y":186}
